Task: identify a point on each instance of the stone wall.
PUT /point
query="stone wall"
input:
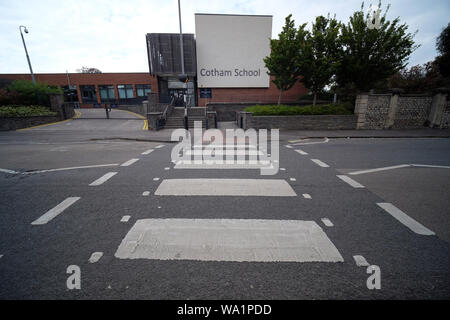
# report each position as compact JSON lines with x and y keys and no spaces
{"x":445,"y":122}
{"x":14,"y":123}
{"x":304,"y":122}
{"x":412,"y":112}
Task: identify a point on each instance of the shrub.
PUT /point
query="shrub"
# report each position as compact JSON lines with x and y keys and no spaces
{"x":284,"y":110}
{"x":24,"y":92}
{"x":25,"y":111}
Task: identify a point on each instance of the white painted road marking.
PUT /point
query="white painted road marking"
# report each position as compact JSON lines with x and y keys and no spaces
{"x":301,"y":152}
{"x":327,"y":222}
{"x":72,"y":168}
{"x":156,"y":179}
{"x":320,"y":163}
{"x":223,"y":165}
{"x":430,"y":166}
{"x":282,"y":169}
{"x":145,"y":193}
{"x":350,"y":181}
{"x":405,"y":219}
{"x":52,"y":213}
{"x":103,"y":178}
{"x":1,"y":256}
{"x":240,"y":240}
{"x":306,"y":196}
{"x":95,"y":257}
{"x":160,"y":146}
{"x":361,"y":261}
{"x":8,"y":171}
{"x":224,"y":146}
{"x":147,"y":152}
{"x":306,"y":143}
{"x":167,"y":168}
{"x":379,"y":169}
{"x":225,"y":187}
{"x":288,"y":146}
{"x":220,"y":152}
{"x":292,"y":179}
{"x":129,"y":162}
{"x":125,"y":218}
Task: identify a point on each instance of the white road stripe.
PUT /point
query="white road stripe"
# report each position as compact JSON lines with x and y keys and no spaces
{"x":282,"y":169}
{"x":247,"y":165}
{"x":288,"y":146}
{"x":430,"y":166}
{"x":320,"y":163}
{"x":405,"y":219}
{"x":145,"y":193}
{"x":360,"y":261}
{"x":301,"y":152}
{"x":95,"y":257}
{"x":379,"y":169}
{"x":306,"y":196}
{"x":8,"y":171}
{"x":103,"y":178}
{"x":240,"y":240}
{"x":167,"y":168}
{"x":72,"y":168}
{"x":155,"y":179}
{"x":350,"y":181}
{"x":327,"y":222}
{"x":306,"y":143}
{"x":52,"y":213}
{"x":129,"y":162}
{"x":1,"y":256}
{"x":292,"y":179}
{"x":224,"y":146}
{"x":220,"y":152}
{"x":160,"y":146}
{"x":225,"y":187}
{"x":147,"y":152}
{"x":125,"y":218}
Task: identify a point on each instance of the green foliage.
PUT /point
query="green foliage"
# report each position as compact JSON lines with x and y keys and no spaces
{"x":24,"y":92}
{"x":25,"y":111}
{"x":368,"y":56}
{"x":285,"y":52}
{"x":284,"y":110}
{"x":320,"y":59}
{"x":443,"y":46}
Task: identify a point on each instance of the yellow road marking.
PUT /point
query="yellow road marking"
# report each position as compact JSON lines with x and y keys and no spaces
{"x":76,"y":116}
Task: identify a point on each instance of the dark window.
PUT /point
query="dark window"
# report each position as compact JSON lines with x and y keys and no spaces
{"x":88,"y":94}
{"x":125,"y":91}
{"x":107,"y":93}
{"x":142,"y":90}
{"x":70,"y":93}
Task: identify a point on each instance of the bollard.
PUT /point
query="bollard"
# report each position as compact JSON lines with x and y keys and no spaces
{"x":107,"y":111}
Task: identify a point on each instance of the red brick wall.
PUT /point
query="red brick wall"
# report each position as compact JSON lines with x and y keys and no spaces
{"x":258,"y":95}
{"x":96,"y":79}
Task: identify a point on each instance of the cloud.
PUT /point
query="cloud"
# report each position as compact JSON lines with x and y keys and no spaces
{"x":110,"y":34}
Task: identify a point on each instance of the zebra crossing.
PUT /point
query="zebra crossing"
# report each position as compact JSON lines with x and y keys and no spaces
{"x":224,"y":239}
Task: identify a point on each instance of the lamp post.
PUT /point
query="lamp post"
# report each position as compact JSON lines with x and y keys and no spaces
{"x":183,"y":76}
{"x":26,"y":52}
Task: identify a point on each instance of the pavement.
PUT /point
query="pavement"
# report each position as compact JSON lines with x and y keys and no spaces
{"x":98,"y":196}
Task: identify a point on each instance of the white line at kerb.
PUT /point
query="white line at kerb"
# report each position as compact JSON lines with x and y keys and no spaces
{"x":129,"y":162}
{"x":350,"y":181}
{"x":52,"y":213}
{"x":103,"y":178}
{"x":320,"y":163}
{"x":405,"y":219}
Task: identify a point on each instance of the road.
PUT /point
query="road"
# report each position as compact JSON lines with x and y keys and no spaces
{"x":140,"y":228}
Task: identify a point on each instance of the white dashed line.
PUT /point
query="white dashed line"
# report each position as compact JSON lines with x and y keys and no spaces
{"x":327,"y":222}
{"x":405,"y":219}
{"x":1,"y":256}
{"x":301,"y":152}
{"x":167,"y":168}
{"x":283,"y":169}
{"x":72,"y":168}
{"x":292,"y":179}
{"x":8,"y":171}
{"x":430,"y":166}
{"x":379,"y":169}
{"x":52,"y":213}
{"x":145,"y":193}
{"x":360,"y":261}
{"x":320,"y":163}
{"x":160,"y":146}
{"x":155,"y":179}
{"x":95,"y":257}
{"x":129,"y":162}
{"x":147,"y":152}
{"x":306,"y":196}
{"x":350,"y":181}
{"x":125,"y":218}
{"x":103,"y":179}
{"x":288,"y":146}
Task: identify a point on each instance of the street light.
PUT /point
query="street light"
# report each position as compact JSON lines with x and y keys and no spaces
{"x":26,"y":52}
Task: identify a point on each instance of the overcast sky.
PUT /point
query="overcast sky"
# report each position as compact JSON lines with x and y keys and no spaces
{"x":110,"y":35}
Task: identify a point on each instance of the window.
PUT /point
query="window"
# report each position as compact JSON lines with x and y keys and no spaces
{"x":88,"y":94}
{"x":70,"y":93}
{"x":107,"y":93}
{"x":142,"y":90}
{"x":125,"y":91}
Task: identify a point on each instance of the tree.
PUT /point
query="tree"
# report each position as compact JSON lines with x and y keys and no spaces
{"x":282,"y":62}
{"x":88,"y":70}
{"x":319,"y":63}
{"x":419,"y":78}
{"x":443,"y":46}
{"x":369,"y":56}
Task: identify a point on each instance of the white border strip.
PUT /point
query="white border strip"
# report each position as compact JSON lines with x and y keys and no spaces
{"x":405,"y":219}
{"x":103,"y":178}
{"x":52,"y":213}
{"x":320,"y":163}
{"x":350,"y":181}
{"x":129,"y":162}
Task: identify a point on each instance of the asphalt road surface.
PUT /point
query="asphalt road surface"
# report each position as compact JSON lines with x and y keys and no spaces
{"x":140,"y":228}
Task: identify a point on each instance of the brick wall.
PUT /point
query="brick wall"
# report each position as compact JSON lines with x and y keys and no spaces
{"x":254,"y":95}
{"x":95,"y":79}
